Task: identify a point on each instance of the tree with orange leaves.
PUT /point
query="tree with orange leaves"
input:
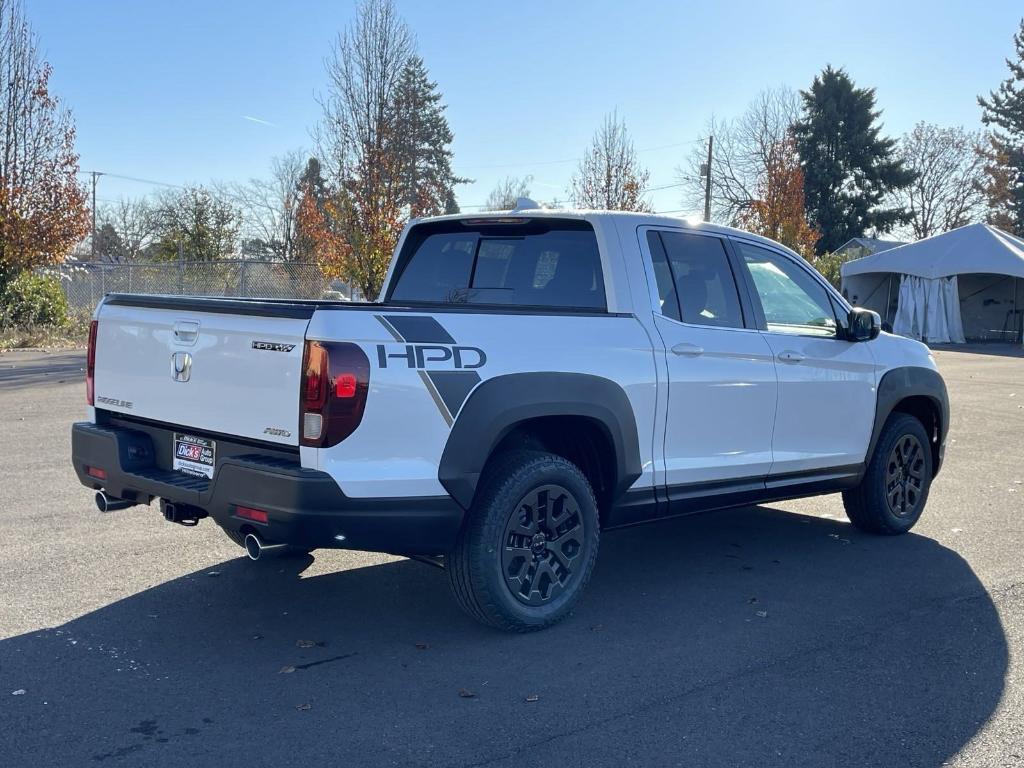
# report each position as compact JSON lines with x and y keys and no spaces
{"x":778,"y":212}
{"x":42,"y":206}
{"x":352,"y":233}
{"x":384,"y":142}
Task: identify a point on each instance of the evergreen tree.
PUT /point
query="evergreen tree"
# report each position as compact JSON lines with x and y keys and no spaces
{"x":423,"y":143}
{"x":108,"y":246}
{"x":312,"y":182}
{"x":312,"y":195}
{"x":1004,"y":111}
{"x":849,"y":168}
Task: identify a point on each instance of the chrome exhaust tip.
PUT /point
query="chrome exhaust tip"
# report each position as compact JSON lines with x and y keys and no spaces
{"x":256,"y":548}
{"x":105,"y":503}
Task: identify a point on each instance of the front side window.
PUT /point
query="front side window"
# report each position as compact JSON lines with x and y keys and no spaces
{"x":695,"y":282}
{"x":539,"y":263}
{"x":792,"y":300}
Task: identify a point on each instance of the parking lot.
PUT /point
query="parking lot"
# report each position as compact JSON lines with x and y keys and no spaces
{"x":774,"y":635}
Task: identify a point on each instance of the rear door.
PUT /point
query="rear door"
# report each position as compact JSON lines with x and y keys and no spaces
{"x":826,"y":383}
{"x":722,"y":385}
{"x":184,"y":363}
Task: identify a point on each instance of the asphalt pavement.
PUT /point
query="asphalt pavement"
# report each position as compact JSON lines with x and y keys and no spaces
{"x":765,"y":636}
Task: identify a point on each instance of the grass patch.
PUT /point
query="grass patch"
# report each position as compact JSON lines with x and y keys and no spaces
{"x":71,"y":334}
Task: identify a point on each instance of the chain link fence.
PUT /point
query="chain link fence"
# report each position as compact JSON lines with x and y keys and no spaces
{"x":86,"y":283}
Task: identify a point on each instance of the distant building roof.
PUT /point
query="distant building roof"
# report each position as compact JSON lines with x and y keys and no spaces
{"x":869,"y":244}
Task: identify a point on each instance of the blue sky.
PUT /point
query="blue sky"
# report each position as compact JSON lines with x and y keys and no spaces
{"x":161,"y":91}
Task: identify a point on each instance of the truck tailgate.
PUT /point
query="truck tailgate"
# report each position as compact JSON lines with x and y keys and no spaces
{"x":197,"y":366}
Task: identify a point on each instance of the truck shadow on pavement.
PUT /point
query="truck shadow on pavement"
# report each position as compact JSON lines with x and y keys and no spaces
{"x":749,"y":637}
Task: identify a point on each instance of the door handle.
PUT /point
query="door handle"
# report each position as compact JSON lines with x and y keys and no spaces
{"x":690,"y":350}
{"x":789,"y":356}
{"x":186,"y":332}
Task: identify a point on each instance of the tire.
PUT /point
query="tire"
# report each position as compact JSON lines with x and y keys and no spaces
{"x":893,"y":492}
{"x":517,"y":570}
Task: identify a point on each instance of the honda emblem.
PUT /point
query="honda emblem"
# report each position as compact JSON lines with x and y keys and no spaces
{"x":181,"y":366}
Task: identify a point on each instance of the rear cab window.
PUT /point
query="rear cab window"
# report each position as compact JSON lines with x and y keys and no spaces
{"x":542,"y":262}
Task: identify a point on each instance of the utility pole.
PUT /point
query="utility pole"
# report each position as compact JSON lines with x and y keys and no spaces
{"x":707,"y":180}
{"x":92,"y":245}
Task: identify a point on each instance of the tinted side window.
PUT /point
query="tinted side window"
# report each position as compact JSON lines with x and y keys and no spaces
{"x":543,"y":264}
{"x":696,"y":285}
{"x":792,"y":300}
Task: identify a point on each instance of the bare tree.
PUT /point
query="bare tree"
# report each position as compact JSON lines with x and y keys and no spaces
{"x":949,"y":169}
{"x":610,"y":175}
{"x":358,"y":142}
{"x":202,"y":224}
{"x":364,"y":69}
{"x":507,"y":191}
{"x":269,"y":207}
{"x":743,"y":155}
{"x":134,"y":225}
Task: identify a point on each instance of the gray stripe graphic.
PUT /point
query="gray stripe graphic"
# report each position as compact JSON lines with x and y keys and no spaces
{"x":389,"y":328}
{"x":438,"y":401}
{"x":419,"y":329}
{"x":454,"y":387}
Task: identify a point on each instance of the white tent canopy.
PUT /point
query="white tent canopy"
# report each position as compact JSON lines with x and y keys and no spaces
{"x":976,"y":248}
{"x":965,"y":279}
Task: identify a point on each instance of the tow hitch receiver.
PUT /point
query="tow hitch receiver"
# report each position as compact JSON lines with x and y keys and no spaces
{"x":182,"y":514}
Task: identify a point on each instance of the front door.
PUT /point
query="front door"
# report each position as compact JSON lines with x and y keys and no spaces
{"x":826,"y":384}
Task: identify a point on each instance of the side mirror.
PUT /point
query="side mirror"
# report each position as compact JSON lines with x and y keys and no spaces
{"x":864,"y":324}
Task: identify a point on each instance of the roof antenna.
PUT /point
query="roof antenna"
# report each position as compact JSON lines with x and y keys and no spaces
{"x":526,"y":204}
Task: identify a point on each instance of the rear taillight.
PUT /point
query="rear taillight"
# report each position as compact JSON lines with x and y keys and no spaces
{"x":90,"y":365}
{"x":249,"y":513}
{"x":335,"y":380}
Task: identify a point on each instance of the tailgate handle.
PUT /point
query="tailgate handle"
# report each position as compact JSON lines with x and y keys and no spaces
{"x":186,"y":331}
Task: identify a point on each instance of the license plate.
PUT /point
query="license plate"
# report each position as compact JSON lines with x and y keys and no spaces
{"x":194,"y":456}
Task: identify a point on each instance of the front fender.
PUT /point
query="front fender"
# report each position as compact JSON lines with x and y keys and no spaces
{"x":910,"y":381}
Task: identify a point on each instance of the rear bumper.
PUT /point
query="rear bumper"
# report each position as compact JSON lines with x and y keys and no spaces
{"x":305,"y":507}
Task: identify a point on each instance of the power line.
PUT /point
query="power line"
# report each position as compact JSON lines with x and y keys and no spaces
{"x":133,"y":178}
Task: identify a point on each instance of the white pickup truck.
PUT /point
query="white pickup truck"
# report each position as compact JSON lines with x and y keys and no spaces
{"x":527,"y":381}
